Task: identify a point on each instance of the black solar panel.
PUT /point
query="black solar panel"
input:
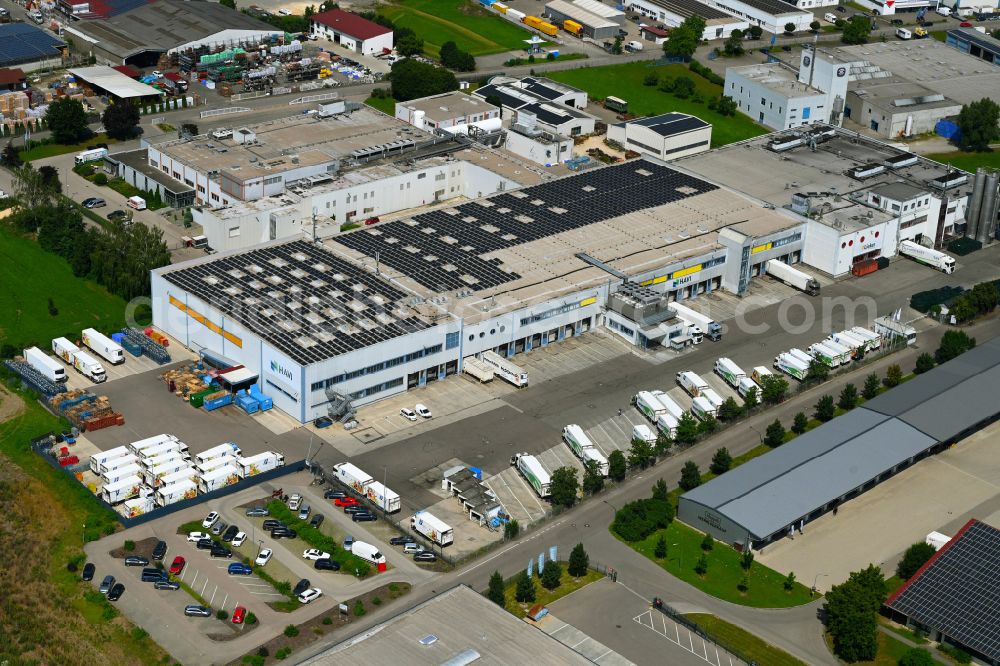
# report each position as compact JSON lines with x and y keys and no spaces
{"x":302,"y":299}
{"x":539,"y":88}
{"x":443,"y":249}
{"x":959,"y":592}
{"x":671,"y":123}
{"x":22,"y":43}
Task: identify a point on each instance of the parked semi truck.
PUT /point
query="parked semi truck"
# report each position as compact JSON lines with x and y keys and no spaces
{"x":926,"y":255}
{"x":175,"y":492}
{"x":702,"y":408}
{"x":50,"y":368}
{"x":99,"y":459}
{"x":649,"y":404}
{"x":218,"y":478}
{"x":584,"y":449}
{"x":791,"y":366}
{"x":103,"y":346}
{"x":533,"y":472}
{"x":691,"y":382}
{"x":112,"y":493}
{"x":382,"y":497}
{"x":262,"y":462}
{"x":436,"y":530}
{"x":89,"y":367}
{"x":745,"y":386}
{"x":792,"y":276}
{"x":352,"y":476}
{"x":505,"y":369}
{"x":64,"y":349}
{"x":729,"y":371}
{"x":708,"y":326}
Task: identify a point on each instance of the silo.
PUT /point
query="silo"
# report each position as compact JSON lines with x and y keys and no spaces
{"x":975,"y":204}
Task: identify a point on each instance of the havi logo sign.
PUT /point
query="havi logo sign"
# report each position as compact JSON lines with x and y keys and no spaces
{"x":278,"y":370}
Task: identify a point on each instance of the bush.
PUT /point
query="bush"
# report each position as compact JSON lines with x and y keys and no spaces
{"x":129,"y":546}
{"x":71,"y":567}
{"x":222,"y":615}
{"x":637,"y":520}
{"x":963,"y":246}
{"x":283,"y":653}
{"x":291,"y":631}
{"x":100,"y":179}
{"x":253,"y":660}
{"x":327,"y":620}
{"x":959,"y":655}
{"x":251,"y":619}
{"x":376,"y":601}
{"x":263,"y":652}
{"x":914,"y":558}
{"x":923,"y":300}
{"x":359,"y":608}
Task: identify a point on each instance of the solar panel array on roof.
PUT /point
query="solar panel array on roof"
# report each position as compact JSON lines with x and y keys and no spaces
{"x":23,"y":43}
{"x":958,"y":593}
{"x":669,"y":124}
{"x":302,"y":299}
{"x":539,"y":88}
{"x":443,"y":249}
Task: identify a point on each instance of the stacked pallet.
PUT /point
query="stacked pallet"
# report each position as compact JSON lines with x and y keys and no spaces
{"x":185,"y":381}
{"x":86,"y":411}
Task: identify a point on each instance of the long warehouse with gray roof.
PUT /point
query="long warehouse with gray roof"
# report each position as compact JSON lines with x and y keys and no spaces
{"x":774,"y":495}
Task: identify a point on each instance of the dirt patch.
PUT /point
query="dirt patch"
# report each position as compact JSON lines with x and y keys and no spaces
{"x":143,"y":548}
{"x":11,"y":405}
{"x":308,"y":632}
{"x":236,"y":631}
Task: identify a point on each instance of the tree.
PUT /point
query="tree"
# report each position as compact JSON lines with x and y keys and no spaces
{"x":848,"y":397}
{"x":121,"y":120}
{"x":511,"y":529}
{"x":774,"y":435}
{"x":893,"y":375}
{"x":660,"y":549}
{"x":707,"y":543}
{"x":660,"y":490}
{"x":789,"y":583}
{"x":616,"y":47}
{"x":684,"y":39}
{"x":756,"y":31}
{"x":651,"y":79}
{"x":551,"y":575}
{"x":453,"y":57}
{"x":228,"y":3}
{"x":495,"y":592}
{"x":708,"y":425}
{"x":123,"y":255}
{"x":637,"y":520}
{"x":773,"y":389}
{"x":729,"y":410}
{"x":524,"y":591}
{"x":818,"y":371}
{"x":851,"y":610}
{"x":409,"y":45}
{"x":815,"y":26}
{"x":663,"y":442}
{"x":690,"y":476}
{"x":617,"y":465}
{"x":31,"y":190}
{"x":733,"y":45}
{"x":751,"y":399}
{"x":641,"y":455}
{"x":412,"y":79}
{"x":824,"y":409}
{"x":800,"y":423}
{"x":721,"y":461}
{"x":687,"y":429}
{"x":744,"y":584}
{"x":746,"y":560}
{"x":977,"y":124}
{"x":682,"y":87}
{"x":985,"y":297}
{"x":916,"y":657}
{"x":701,"y":566}
{"x":67,"y":121}
{"x":189,"y":128}
{"x":953,"y":343}
{"x":593,"y":479}
{"x":726,"y":106}
{"x":789,"y":28}
{"x":925,"y":362}
{"x":579,"y":561}
{"x":11,"y":156}
{"x":50,"y":178}
{"x":564,"y":486}
{"x":856,"y":30}
{"x":871,"y":387}
{"x":915,"y":557}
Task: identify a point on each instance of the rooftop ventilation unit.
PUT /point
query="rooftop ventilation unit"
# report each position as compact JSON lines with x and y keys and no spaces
{"x":781,"y":145}
{"x":866,"y":171}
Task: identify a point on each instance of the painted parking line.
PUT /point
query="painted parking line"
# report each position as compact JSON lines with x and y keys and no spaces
{"x":711,"y":656}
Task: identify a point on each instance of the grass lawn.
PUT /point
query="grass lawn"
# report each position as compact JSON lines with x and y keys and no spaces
{"x":386,"y":105}
{"x":543,"y":596}
{"x":890,"y":651}
{"x":969,"y":161}
{"x":31,"y":276}
{"x":905,"y":633}
{"x":724,"y":573}
{"x":625,"y":81}
{"x":473,"y":28}
{"x":53,"y":149}
{"x":743,"y":642}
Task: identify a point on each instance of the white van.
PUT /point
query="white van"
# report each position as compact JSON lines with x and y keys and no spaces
{"x":903,"y":33}
{"x":367,"y":551}
{"x":830,"y":17}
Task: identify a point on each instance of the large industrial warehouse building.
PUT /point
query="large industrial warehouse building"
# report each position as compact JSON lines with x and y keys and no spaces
{"x":774,"y":495}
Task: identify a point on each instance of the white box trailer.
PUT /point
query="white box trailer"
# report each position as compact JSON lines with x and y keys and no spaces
{"x":702,"y":408}
{"x":692,"y":383}
{"x":927,"y":256}
{"x":103,"y":346}
{"x":669,"y":404}
{"x":89,"y":367}
{"x":792,"y":276}
{"x":382,"y":497}
{"x":218,"y":478}
{"x":215,"y":463}
{"x":846,"y":353}
{"x":759,"y":372}
{"x":262,"y":462}
{"x":50,"y":368}
{"x":825,"y":355}
{"x":113,"y":493}
{"x":352,"y":476}
{"x":175,"y":492}
{"x":222,"y":450}
{"x":134,"y":508}
{"x":91,"y":155}
{"x":802,"y":356}
{"x":477,"y":369}
{"x":668,"y":424}
{"x":120,"y":473}
{"x":791,"y":366}
{"x":855,"y":344}
{"x":584,"y":448}
{"x":863,"y":343}
{"x":163,"y":459}
{"x":745,"y":386}
{"x":153,"y":475}
{"x":99,"y":459}
{"x":64,"y":349}
{"x":149,"y":442}
{"x":649,"y":404}
{"x":533,"y":472}
{"x":180,"y":475}
{"x":712,"y":397}
{"x":643,"y":432}
{"x":505,"y":369}
{"x":708,"y":326}
{"x":729,"y":371}
{"x":436,"y":530}
{"x":874,"y":339}
{"x":118,"y":463}
{"x":164,"y":447}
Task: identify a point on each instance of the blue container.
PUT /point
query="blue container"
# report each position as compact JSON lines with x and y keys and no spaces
{"x":130,"y":346}
{"x":218,"y":402}
{"x":118,"y":337}
{"x":478,"y":472}
{"x":247,"y":404}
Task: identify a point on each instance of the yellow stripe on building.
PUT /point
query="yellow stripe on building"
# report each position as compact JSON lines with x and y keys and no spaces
{"x":686,"y":271}
{"x":201,"y":319}
{"x":588,"y":301}
{"x":761,"y":248}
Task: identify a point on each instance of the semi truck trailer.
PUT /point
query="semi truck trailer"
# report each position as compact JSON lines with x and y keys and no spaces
{"x":584,"y":449}
{"x":825,"y":355}
{"x":262,"y":462}
{"x":103,"y":346}
{"x":222,"y":450}
{"x":99,"y":459}
{"x":64,"y":349}
{"x":759,"y":372}
{"x":802,"y":356}
{"x":745,"y":386}
{"x":729,"y":371}
{"x":89,"y":367}
{"x":668,"y":424}
{"x":352,"y":476}
{"x":791,"y":366}
{"x":117,"y":463}
{"x":708,"y":326}
{"x":649,"y":404}
{"x":175,"y":492}
{"x":671,"y":406}
{"x":504,"y":369}
{"x":218,"y":478}
{"x":436,"y":530}
{"x":382,"y":497}
{"x":149,"y":442}
{"x":112,"y":493}
{"x":692,"y":383}
{"x":874,"y":339}
{"x":792,"y":276}
{"x":702,"y":408}
{"x":927,"y":256}
{"x":50,"y":368}
{"x":533,"y":472}
{"x":119,"y":473}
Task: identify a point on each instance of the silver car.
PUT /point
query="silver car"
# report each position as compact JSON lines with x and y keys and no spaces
{"x":194,"y":610}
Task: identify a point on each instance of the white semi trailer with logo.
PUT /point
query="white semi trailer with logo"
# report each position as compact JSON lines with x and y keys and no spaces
{"x":533,"y":472}
{"x":584,"y":449}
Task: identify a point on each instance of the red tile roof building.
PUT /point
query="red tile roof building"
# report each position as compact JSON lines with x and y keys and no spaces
{"x":351,"y":31}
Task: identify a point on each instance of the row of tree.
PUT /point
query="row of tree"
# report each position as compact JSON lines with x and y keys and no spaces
{"x":550,"y":578}
{"x":980,"y":300}
{"x":67,"y":121}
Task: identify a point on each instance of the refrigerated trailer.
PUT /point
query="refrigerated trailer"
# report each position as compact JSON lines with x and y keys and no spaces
{"x":120,"y":491}
{"x":382,"y":497}
{"x":802,"y":356}
{"x":669,"y":404}
{"x":691,"y":382}
{"x":746,"y":384}
{"x":103,"y":346}
{"x":99,"y":459}
{"x":149,"y":442}
{"x":506,"y":370}
{"x":874,"y":339}
{"x":164,"y":447}
{"x":45,"y":364}
{"x":218,"y":478}
{"x":649,"y":404}
{"x":791,"y":366}
{"x":584,"y":449}
{"x":64,"y":349}
{"x":702,"y":408}
{"x":668,"y":424}
{"x":262,"y":462}
{"x":436,"y":530}
{"x":220,"y":451}
{"x":180,"y":475}
{"x":708,"y":326}
{"x":712,"y":397}
{"x":533,"y":472}
{"x":792,"y":276}
{"x":352,"y":476}
{"x":852,"y":342}
{"x":175,"y":492}
{"x":120,"y":473}
{"x":729,"y":371}
{"x":825,"y":355}
{"x":89,"y":367}
{"x":927,"y":256}
{"x":153,"y":474}
{"x":117,"y":463}
{"x":163,"y":459}
{"x":759,"y":372}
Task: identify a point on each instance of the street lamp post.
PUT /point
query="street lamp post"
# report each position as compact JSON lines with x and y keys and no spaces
{"x":815,"y":580}
{"x":758,"y":433}
{"x":680,"y":554}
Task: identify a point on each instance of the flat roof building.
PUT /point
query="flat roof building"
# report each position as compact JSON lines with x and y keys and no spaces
{"x":452,"y":111}
{"x":975,"y":43}
{"x":773,"y":96}
{"x":771,"y":15}
{"x":29,"y":47}
{"x":718,"y":24}
{"x":592,"y":25}
{"x":668,"y":136}
{"x":351,"y":31}
{"x":107,"y":81}
{"x":776,"y":494}
{"x":556,"y":107}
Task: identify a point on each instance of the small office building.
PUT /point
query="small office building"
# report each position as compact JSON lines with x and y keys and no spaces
{"x":671,"y":13}
{"x":667,"y":136}
{"x":351,"y":31}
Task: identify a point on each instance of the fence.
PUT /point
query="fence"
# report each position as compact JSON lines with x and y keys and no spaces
{"x":225,"y":111}
{"x":694,"y":628}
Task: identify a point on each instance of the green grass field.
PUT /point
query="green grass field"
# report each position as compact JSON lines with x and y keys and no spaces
{"x":30,"y":277}
{"x":53,"y":149}
{"x":969,"y":161}
{"x":742,"y":641}
{"x":386,"y":105}
{"x":626,"y":82}
{"x":890,"y":651}
{"x":543,"y":596}
{"x":473,"y":28}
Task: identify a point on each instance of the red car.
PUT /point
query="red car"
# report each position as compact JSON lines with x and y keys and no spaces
{"x":345,"y":501}
{"x":965,"y":24}
{"x":177,"y":566}
{"x":239,"y":613}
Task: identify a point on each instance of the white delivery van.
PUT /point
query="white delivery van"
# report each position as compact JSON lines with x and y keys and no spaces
{"x":943,"y":11}
{"x":138,"y":203}
{"x":831,"y":18}
{"x":903,"y":33}
{"x":367,"y":551}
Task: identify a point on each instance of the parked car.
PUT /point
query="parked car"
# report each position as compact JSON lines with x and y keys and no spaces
{"x":239,"y":539}
{"x":198,"y":536}
{"x":239,"y":569}
{"x":425,"y":556}
{"x":159,"y":551}
{"x":326,"y":564}
{"x":150,"y":575}
{"x":408,"y":414}
{"x":211,"y":519}
{"x":88,"y":571}
{"x":348,"y":543}
{"x":310,"y":595}
{"x":314,"y":554}
{"x":258,"y":512}
{"x":412,"y":548}
{"x":334,"y":494}
{"x":422,"y":411}
{"x":345,"y":501}
{"x":206,"y":544}
{"x":301,"y":587}
{"x":116,"y":592}
{"x":355,"y":508}
{"x":194,"y":610}
{"x":294,"y":501}
{"x":219,"y":527}
{"x":94,"y":202}
{"x":317,"y":520}
{"x":364,"y":517}
{"x":965,"y":24}
{"x":239,"y":614}
{"x":220,"y":551}
{"x":136,"y":561}
{"x":263,"y":557}
{"x":230,"y":533}
{"x":304,"y":512}
{"x":166,"y":585}
{"x":177,"y":566}
{"x":116,"y":215}
{"x":271,"y":523}
{"x":106,"y":584}
{"x":402,"y":540}
{"x":283,"y":533}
